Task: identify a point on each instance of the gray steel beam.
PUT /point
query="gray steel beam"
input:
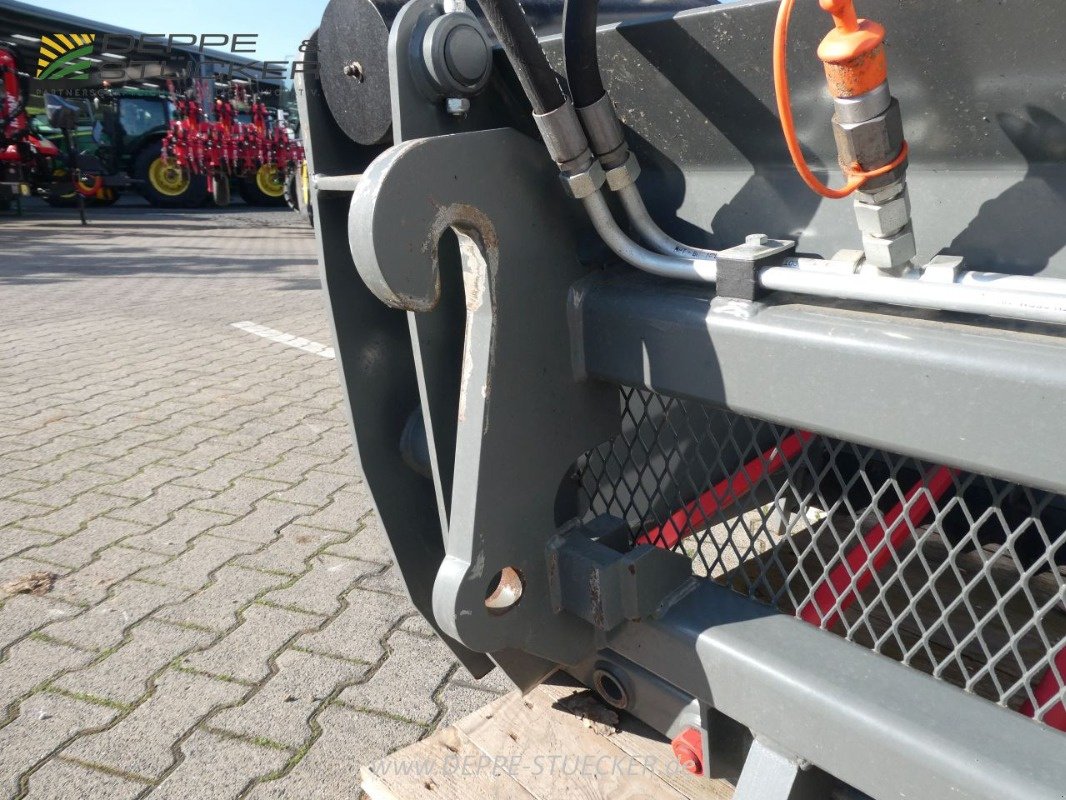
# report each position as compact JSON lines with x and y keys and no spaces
{"x":978,"y":398}
{"x":886,"y":729}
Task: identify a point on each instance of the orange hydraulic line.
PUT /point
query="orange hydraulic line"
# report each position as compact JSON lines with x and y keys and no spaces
{"x":853,"y":54}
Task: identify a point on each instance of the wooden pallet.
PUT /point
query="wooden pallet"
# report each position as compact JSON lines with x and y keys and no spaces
{"x":556,"y":742}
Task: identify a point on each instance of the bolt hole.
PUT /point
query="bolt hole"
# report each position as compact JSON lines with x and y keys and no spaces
{"x":504,"y":591}
{"x":610,"y":688}
{"x":355,"y":70}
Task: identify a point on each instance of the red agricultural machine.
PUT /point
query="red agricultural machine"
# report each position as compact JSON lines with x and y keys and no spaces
{"x":29,"y":164}
{"x":260,"y":153}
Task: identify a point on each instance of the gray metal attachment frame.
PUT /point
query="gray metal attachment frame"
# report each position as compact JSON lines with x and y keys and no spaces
{"x":463,"y":284}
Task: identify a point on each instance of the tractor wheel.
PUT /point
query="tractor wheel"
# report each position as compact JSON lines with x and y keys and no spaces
{"x":265,"y":187}
{"x":165,"y":184}
{"x":220,"y":190}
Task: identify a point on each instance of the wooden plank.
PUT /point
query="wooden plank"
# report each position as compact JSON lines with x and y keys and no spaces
{"x":445,"y":766}
{"x":646,"y":745}
{"x":532,"y":748}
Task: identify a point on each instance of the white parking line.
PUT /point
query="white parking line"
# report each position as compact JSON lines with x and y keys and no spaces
{"x":285,"y":338}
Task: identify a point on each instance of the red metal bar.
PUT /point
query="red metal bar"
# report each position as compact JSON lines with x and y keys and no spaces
{"x":871,"y":555}
{"x":726,"y":492}
{"x":1047,"y":690}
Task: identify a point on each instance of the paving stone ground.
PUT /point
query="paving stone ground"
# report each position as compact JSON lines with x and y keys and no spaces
{"x":225,"y":621}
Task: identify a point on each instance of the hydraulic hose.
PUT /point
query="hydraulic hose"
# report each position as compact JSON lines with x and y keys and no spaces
{"x":579,"y":51}
{"x":979,"y":293}
{"x":518,"y":41}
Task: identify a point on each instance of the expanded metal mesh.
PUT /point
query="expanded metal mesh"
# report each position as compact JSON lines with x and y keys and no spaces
{"x":959,"y":575}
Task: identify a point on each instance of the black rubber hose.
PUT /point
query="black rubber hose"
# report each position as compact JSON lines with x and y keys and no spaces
{"x":515,"y":35}
{"x":579,"y":51}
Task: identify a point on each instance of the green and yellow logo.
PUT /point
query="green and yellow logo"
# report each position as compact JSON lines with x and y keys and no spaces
{"x":63,"y":56}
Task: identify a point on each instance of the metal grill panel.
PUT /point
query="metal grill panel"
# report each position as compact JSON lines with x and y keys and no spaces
{"x":959,"y":575}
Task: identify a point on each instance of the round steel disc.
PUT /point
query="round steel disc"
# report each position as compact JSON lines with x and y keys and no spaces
{"x":353,"y":68}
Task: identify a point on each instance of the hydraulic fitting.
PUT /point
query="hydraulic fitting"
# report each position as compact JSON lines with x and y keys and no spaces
{"x":853,"y":52}
{"x":604,"y":131}
{"x":580,"y":172}
{"x":868,"y":128}
{"x":608,"y":143}
{"x":872,"y":143}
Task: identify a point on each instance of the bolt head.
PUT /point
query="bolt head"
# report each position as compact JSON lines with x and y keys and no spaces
{"x":457,"y":106}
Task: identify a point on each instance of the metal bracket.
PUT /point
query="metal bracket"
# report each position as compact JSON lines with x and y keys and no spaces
{"x":522,"y":417}
{"x":593,"y":577}
{"x":738,"y":267}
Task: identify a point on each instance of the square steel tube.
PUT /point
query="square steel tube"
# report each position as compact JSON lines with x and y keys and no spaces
{"x":956,"y":391}
{"x":886,"y":729}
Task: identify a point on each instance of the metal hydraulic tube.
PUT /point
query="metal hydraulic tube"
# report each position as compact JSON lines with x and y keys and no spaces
{"x":669,"y":266}
{"x":1033,"y":305}
{"x":589,"y":148}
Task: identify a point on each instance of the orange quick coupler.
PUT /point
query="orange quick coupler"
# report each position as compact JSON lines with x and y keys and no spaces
{"x":853,"y":52}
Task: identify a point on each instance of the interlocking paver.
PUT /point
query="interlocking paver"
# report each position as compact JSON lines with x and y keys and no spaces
{"x":23,"y":613}
{"x":368,"y":543}
{"x":216,"y":766}
{"x":92,"y":583}
{"x":289,"y":553}
{"x":161,"y":506}
{"x":192,"y":569}
{"x":122,"y":675}
{"x":358,"y":630}
{"x":78,"y":549}
{"x":181,"y":470}
{"x":240,"y":498}
{"x":280,"y":710}
{"x":58,"y":779}
{"x":398,"y":685}
{"x":216,"y":606}
{"x":316,"y":489}
{"x":15,"y":540}
{"x":30,"y":663}
{"x":140,"y":742}
{"x":245,"y":653}
{"x":173,"y":536}
{"x":104,"y":625}
{"x":46,"y":722}
{"x":344,"y":513}
{"x":262,"y":525}
{"x":321,"y":589}
{"x":78,"y":511}
{"x":331,"y":768}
